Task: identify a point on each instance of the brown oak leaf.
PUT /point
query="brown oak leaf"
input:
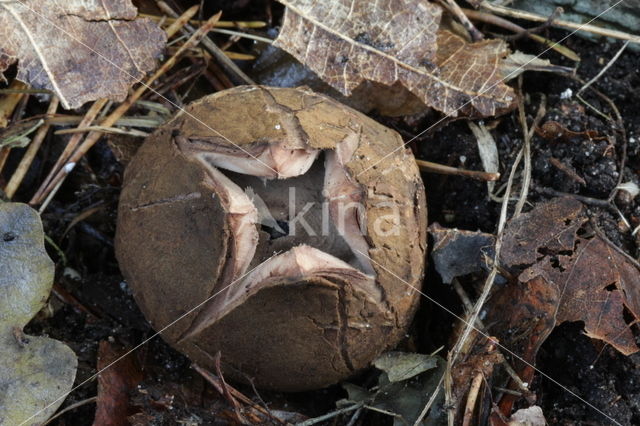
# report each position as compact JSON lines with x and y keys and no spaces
{"x":565,"y":272}
{"x":347,"y":42}
{"x":586,"y":279}
{"x":82,"y":50}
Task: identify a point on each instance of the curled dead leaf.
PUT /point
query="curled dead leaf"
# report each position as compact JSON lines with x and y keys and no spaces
{"x":348,"y":42}
{"x":80,"y":50}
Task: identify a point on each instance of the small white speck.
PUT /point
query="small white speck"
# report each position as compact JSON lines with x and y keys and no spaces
{"x":631,"y":187}
{"x":567,"y":94}
{"x":69,"y":166}
{"x":525,"y":384}
{"x":278,"y":127}
{"x":71,"y":274}
{"x":463,"y":159}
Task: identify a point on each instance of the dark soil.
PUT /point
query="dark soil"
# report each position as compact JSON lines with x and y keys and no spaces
{"x":91,"y":302}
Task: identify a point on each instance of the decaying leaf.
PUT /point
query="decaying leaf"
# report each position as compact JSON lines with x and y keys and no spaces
{"x":35,"y":372}
{"x":562,"y":275}
{"x":458,"y":252}
{"x":82,"y":50}
{"x":415,"y":379}
{"x":532,"y":416}
{"x":115,"y":384}
{"x":402,"y":366}
{"x":560,"y":270}
{"x":473,"y":373}
{"x":348,"y":42}
{"x":584,"y":278}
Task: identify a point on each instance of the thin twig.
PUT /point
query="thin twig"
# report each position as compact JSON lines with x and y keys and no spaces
{"x":429,"y":403}
{"x":70,"y":408}
{"x":604,"y":238}
{"x":355,"y":417}
{"x":71,"y":146}
{"x":220,"y":24}
{"x":472,"y":396}
{"x":448,"y":394}
{"x":455,"y":10}
{"x":232,"y":393}
{"x":30,"y":153}
{"x":488,"y":284}
{"x":526,"y":149}
{"x":605,"y":68}
{"x":586,"y":200}
{"x":243,"y":35}
{"x":103,"y":129}
{"x":181,"y":21}
{"x":492,"y":19}
{"x":508,"y":368}
{"x":619,"y":127}
{"x":429,"y":167}
{"x":149,"y":122}
{"x":567,"y":170}
{"x":210,"y":46}
{"x":520,"y":14}
{"x":331,"y":414}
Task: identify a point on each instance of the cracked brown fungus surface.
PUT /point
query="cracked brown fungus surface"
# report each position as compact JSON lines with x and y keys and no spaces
{"x":263,"y":202}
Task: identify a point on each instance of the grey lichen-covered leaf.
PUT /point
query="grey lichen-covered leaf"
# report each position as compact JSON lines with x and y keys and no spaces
{"x":81,"y":49}
{"x":402,"y":365}
{"x":348,"y":42}
{"x":408,"y":393}
{"x":457,"y":252}
{"x":35,"y":372}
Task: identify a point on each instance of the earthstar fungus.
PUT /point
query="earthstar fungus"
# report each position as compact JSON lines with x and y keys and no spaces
{"x":295,"y":217}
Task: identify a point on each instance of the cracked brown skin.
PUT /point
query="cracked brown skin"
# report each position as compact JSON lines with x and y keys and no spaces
{"x":293,"y":333}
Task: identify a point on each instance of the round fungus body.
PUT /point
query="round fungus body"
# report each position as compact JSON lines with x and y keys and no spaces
{"x":285,"y":230}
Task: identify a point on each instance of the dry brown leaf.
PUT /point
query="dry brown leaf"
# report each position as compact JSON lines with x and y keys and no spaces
{"x":347,"y":42}
{"x":563,"y":276}
{"x":551,"y":227}
{"x":56,"y":44}
{"x":594,"y":283}
{"x":457,"y":252}
{"x":481,"y":359}
{"x":115,"y":385}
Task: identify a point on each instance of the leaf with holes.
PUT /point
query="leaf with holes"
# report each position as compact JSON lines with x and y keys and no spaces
{"x":565,"y":272}
{"x":348,"y":42}
{"x":82,"y":50}
{"x":35,"y":372}
{"x":592,"y":282}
